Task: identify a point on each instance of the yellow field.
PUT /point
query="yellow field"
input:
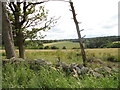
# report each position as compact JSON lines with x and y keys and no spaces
{"x":98,"y":50}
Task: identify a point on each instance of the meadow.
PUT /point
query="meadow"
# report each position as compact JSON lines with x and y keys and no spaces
{"x":67,"y":44}
{"x":22,"y":76}
{"x":71,"y":56}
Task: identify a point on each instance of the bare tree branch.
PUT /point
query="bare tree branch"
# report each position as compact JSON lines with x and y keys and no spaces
{"x":34,"y":4}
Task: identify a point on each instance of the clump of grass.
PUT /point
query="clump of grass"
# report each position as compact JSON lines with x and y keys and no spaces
{"x":109,"y":57}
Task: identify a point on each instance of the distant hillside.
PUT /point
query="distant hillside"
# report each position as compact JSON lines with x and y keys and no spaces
{"x":65,"y":44}
{"x":96,"y":42}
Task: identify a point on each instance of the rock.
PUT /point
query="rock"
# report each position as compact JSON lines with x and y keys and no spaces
{"x":39,"y":61}
{"x":97,"y":75}
{"x":84,"y":70}
{"x":103,"y":69}
{"x":99,"y":61}
{"x":80,"y":66}
{"x":90,"y":72}
{"x":115,"y":70}
{"x":78,"y":70}
{"x":72,"y":66}
{"x":99,"y":70}
{"x":107,"y":69}
{"x":48,"y":63}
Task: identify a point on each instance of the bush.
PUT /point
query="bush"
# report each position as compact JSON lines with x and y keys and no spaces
{"x":111,"y":58}
{"x":54,"y":47}
{"x":64,"y":47}
{"x":111,"y":45}
{"x":46,"y":47}
{"x":34,"y":47}
{"x":3,"y":54}
{"x":75,"y":48}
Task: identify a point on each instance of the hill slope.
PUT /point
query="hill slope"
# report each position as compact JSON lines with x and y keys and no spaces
{"x":67,"y":44}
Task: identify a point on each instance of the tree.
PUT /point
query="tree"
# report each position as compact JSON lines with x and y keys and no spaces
{"x":64,"y":47}
{"x":24,"y":16}
{"x":78,"y":32}
{"x":7,"y":33}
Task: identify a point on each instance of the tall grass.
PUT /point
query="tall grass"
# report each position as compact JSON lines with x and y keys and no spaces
{"x":22,"y":76}
{"x":65,"y":56}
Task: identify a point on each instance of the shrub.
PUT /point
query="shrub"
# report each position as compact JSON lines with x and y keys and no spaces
{"x":75,"y":48}
{"x":3,"y":54}
{"x":54,"y":47}
{"x":111,"y":58}
{"x":64,"y":47}
{"x":46,"y":47}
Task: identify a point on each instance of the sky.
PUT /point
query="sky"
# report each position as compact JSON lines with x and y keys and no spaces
{"x":98,"y":17}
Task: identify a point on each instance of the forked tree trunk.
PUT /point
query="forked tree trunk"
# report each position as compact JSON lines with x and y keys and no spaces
{"x":78,"y":32}
{"x":7,"y":33}
{"x":19,"y":33}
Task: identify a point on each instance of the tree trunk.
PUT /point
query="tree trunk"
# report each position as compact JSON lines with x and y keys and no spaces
{"x":7,"y":34}
{"x":20,"y":42}
{"x":19,"y":33}
{"x":79,"y":35}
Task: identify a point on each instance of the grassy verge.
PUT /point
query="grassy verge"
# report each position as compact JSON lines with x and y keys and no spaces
{"x":22,"y":76}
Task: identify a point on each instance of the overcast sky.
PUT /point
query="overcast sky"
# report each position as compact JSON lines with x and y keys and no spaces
{"x":98,"y":17}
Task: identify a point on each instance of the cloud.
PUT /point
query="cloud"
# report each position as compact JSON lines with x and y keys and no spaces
{"x":110,"y":26}
{"x":98,"y":17}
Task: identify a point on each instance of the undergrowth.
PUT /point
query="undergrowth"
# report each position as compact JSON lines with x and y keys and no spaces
{"x":23,"y":76}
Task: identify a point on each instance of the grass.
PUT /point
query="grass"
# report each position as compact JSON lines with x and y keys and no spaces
{"x":22,"y":76}
{"x":67,"y":44}
{"x":71,"y":56}
{"x":65,"y":56}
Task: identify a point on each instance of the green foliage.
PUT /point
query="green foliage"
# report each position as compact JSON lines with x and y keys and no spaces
{"x":33,"y":44}
{"x":101,"y":42}
{"x":24,"y":75}
{"x":64,"y":47}
{"x":3,"y":54}
{"x":109,"y":57}
{"x":46,"y":47}
{"x":29,"y":14}
{"x":54,"y":47}
{"x":111,"y":45}
{"x":21,"y":76}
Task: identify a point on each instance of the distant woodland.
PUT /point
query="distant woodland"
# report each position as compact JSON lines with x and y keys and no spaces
{"x":97,"y":42}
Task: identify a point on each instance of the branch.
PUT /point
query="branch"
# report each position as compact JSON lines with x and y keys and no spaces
{"x":83,"y":36}
{"x":11,"y":7}
{"x":24,"y":12}
{"x":82,"y":30}
{"x":33,"y":4}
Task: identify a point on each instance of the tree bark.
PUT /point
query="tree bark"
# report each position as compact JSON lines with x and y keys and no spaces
{"x":20,"y":44}
{"x":19,"y":33}
{"x":7,"y":34}
{"x":79,"y":35}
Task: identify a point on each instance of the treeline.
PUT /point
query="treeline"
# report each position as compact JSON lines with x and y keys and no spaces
{"x":98,"y":42}
{"x":102,"y":42}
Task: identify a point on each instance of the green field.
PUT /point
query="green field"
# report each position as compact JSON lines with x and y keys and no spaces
{"x":69,"y":56}
{"x":67,"y":44}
